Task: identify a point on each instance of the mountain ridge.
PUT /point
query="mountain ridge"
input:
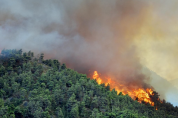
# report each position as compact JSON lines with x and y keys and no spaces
{"x":32,"y":87}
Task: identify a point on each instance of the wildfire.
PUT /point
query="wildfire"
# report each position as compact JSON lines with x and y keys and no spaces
{"x":140,"y":94}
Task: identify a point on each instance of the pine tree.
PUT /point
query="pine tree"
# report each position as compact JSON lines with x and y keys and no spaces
{"x":95,"y":114}
{"x":63,"y":66}
{"x":41,"y":58}
{"x":74,"y":113}
{"x":59,"y":113}
{"x":94,"y":102}
{"x":71,"y":102}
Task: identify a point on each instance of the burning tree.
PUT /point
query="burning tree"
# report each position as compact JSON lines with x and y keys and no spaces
{"x":142,"y":95}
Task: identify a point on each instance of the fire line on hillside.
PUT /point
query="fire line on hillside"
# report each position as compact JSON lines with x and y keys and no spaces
{"x":139,"y":94}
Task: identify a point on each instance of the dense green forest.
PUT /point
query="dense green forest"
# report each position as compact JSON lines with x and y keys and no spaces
{"x":31,"y":87}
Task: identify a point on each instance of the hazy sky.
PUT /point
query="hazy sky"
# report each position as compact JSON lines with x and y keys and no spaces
{"x":116,"y":37}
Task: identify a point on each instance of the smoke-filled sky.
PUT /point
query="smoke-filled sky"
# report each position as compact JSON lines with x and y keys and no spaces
{"x":116,"y":37}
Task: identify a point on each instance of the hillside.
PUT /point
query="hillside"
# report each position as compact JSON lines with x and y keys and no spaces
{"x":32,"y":87}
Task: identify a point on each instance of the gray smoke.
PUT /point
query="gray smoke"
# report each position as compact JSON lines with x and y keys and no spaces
{"x":86,"y":35}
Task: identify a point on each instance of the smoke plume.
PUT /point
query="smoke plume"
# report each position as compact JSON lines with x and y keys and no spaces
{"x":102,"y":35}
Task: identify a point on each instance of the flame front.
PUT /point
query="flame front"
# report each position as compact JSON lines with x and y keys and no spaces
{"x":140,"y":94}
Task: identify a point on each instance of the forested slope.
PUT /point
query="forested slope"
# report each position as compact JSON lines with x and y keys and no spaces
{"x":35,"y":88}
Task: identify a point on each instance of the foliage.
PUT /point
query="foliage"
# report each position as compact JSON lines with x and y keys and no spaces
{"x":38,"y":88}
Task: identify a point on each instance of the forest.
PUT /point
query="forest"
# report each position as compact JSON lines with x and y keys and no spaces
{"x":32,"y":87}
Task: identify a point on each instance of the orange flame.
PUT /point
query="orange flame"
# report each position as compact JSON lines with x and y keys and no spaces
{"x":140,"y":94}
